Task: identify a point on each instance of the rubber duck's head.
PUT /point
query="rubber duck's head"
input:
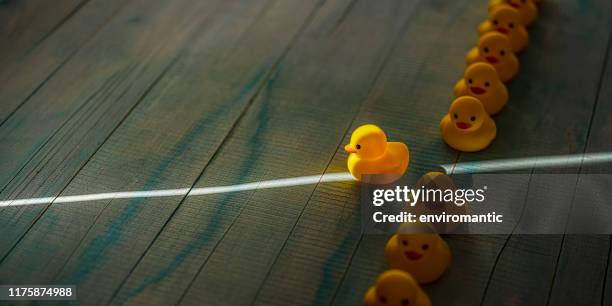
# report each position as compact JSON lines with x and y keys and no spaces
{"x":417,"y":247}
{"x":367,"y":142}
{"x":480,"y":78}
{"x":397,"y":288}
{"x":494,"y":47}
{"x":517,"y":4}
{"x":505,"y":19}
{"x":467,"y":113}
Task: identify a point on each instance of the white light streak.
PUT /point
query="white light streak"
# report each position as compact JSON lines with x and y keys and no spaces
{"x":286,"y":182}
{"x":559,"y":161}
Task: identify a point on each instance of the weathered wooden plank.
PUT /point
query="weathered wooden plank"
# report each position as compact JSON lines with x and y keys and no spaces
{"x":414,"y":91}
{"x":362,"y":43}
{"x":600,"y":140}
{"x":54,"y":134}
{"x":340,"y":67}
{"x":23,"y":24}
{"x":322,"y":244}
{"x":536,"y":124}
{"x":165,"y":143}
{"x":581,"y":275}
{"x":21,"y":77}
{"x":475,"y":256}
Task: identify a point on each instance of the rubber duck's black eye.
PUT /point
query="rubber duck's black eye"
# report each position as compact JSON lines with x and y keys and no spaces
{"x":425,"y":246}
{"x":511,"y":25}
{"x":405,"y":242}
{"x":502,"y":52}
{"x":495,"y":21}
{"x":470,"y":81}
{"x":486,"y":50}
{"x":382,"y":299}
{"x":456,"y":116}
{"x":487,"y":84}
{"x":358,"y":147}
{"x":473,"y":118}
{"x":405,"y":302}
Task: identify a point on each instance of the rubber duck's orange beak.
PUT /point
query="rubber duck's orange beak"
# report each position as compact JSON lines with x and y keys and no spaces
{"x":350,"y":149}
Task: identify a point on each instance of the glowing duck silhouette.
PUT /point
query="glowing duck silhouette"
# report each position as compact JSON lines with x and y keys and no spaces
{"x":494,"y":48}
{"x":482,"y":82}
{"x":527,"y":9}
{"x":506,"y":20}
{"x":396,"y":288}
{"x":467,"y":127}
{"x":370,"y":153}
{"x":425,"y":256}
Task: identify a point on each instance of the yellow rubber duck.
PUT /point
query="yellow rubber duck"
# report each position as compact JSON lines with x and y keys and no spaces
{"x":506,"y":20}
{"x":425,"y":256}
{"x":527,"y":9}
{"x":396,"y":288}
{"x":467,"y":127}
{"x":481,"y":81}
{"x":370,"y":153}
{"x":494,"y":48}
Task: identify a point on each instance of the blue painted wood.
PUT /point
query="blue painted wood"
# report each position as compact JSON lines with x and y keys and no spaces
{"x":475,"y":257}
{"x":550,"y":111}
{"x":55,"y":133}
{"x":584,"y":260}
{"x":251,"y":248}
{"x":25,"y":23}
{"x":234,"y":108}
{"x":264,"y":144}
{"x":164,"y":143}
{"x":21,"y":76}
{"x":419,"y":92}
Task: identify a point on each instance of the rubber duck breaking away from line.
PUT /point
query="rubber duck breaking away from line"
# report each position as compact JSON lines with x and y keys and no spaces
{"x":370,"y":153}
{"x":396,"y":288}
{"x":467,"y":127}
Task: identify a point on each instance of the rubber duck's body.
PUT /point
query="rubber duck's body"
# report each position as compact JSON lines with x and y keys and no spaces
{"x":506,"y":20}
{"x":370,"y":153}
{"x":396,"y":288}
{"x":494,"y":48}
{"x":481,"y":81}
{"x":424,"y":256}
{"x":467,"y":127}
{"x":527,"y":9}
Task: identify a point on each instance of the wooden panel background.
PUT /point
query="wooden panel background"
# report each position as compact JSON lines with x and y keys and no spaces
{"x":99,"y":96}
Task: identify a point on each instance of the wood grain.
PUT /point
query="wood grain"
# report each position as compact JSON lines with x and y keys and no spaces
{"x":417,"y":83}
{"x":24,"y":24}
{"x":55,"y":133}
{"x":325,"y":75}
{"x":21,"y":77}
{"x":584,"y":260}
{"x":533,"y":124}
{"x":165,"y":142}
{"x":100,"y":96}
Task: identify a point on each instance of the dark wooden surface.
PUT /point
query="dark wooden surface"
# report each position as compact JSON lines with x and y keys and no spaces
{"x":100,"y":96}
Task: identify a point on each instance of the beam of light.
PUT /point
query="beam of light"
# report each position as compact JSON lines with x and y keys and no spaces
{"x":559,"y":161}
{"x":286,"y":182}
